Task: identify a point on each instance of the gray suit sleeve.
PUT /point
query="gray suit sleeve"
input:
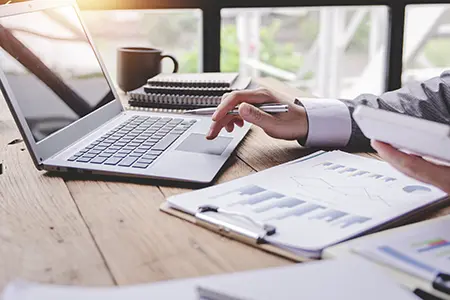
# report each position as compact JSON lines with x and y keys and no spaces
{"x":429,"y":100}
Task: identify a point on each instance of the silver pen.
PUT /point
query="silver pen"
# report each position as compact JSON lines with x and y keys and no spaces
{"x":268,"y":108}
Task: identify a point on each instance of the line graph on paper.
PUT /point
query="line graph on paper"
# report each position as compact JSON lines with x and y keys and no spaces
{"x":334,"y":183}
{"x":320,"y":189}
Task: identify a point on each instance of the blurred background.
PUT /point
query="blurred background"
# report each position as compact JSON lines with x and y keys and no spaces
{"x":326,"y":51}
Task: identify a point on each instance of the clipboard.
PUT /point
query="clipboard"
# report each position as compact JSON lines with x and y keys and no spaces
{"x":211,"y":217}
{"x":233,"y":232}
{"x":257,"y":240}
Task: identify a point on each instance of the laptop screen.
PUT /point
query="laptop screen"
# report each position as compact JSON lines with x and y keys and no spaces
{"x":51,"y":69}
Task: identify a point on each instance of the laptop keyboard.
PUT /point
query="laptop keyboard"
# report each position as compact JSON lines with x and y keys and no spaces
{"x":136,"y":143}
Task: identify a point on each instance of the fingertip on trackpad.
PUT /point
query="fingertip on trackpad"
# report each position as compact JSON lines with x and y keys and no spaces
{"x":198,"y":143}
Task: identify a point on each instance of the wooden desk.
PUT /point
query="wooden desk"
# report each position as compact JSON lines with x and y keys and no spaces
{"x":84,"y":232}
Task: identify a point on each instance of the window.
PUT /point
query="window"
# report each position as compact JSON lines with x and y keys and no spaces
{"x":427,"y":42}
{"x":177,"y":32}
{"x":325,"y":51}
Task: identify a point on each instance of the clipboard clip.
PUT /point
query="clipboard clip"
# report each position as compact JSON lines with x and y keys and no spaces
{"x":230,"y":229}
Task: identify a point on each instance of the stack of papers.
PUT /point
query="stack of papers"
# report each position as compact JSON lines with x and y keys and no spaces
{"x":349,"y":279}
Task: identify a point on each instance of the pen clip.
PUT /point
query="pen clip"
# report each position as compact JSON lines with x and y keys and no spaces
{"x":230,"y":229}
{"x":442,"y":283}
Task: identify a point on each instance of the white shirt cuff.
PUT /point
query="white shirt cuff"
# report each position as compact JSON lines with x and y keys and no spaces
{"x":329,"y":122}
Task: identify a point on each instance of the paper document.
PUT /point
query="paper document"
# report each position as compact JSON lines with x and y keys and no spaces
{"x":349,"y":279}
{"x":319,"y":200}
{"x":423,"y":252}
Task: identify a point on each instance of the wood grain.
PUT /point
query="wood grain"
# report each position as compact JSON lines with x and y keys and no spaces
{"x":106,"y":232}
{"x":142,"y":244}
{"x":42,"y":235}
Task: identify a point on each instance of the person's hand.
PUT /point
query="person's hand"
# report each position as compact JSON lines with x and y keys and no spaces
{"x":415,"y":166}
{"x":292,"y":125}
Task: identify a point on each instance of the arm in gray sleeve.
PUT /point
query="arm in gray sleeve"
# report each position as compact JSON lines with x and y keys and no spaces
{"x":429,"y":100}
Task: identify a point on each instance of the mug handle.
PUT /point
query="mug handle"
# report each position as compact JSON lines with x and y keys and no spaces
{"x":175,"y":62}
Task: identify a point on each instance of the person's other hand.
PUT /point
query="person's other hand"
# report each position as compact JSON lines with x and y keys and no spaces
{"x":292,"y":125}
{"x":415,"y":166}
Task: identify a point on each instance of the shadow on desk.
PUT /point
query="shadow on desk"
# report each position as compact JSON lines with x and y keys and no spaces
{"x":141,"y":181}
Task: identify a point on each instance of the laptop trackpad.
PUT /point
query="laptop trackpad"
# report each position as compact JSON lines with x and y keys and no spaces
{"x":199,"y":144}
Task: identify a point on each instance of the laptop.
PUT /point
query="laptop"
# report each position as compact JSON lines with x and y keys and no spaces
{"x":70,"y":115}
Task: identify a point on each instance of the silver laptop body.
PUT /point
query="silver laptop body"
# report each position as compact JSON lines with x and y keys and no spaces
{"x":69,"y":113}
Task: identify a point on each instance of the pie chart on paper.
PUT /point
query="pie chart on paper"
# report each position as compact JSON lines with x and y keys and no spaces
{"x":416,"y":189}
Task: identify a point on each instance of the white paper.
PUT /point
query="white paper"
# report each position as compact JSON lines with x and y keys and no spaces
{"x":319,"y":201}
{"x":422,"y":251}
{"x":349,"y":279}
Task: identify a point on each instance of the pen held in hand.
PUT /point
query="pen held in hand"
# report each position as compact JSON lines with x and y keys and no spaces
{"x":269,"y":108}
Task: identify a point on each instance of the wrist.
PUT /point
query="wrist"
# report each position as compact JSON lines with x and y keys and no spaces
{"x":303,"y":124}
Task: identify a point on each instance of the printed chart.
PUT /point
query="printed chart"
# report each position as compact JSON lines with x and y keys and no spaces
{"x":274,"y":206}
{"x":320,"y":200}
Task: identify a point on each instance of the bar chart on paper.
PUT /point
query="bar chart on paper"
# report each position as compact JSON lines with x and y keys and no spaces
{"x":320,"y":200}
{"x":275,"y":207}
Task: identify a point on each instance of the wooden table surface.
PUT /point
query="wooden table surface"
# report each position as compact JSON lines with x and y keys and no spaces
{"x":96,"y":233}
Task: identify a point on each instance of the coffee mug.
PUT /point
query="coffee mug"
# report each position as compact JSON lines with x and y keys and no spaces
{"x":135,"y":65}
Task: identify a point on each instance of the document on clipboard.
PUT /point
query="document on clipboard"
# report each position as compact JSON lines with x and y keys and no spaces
{"x":302,"y":207}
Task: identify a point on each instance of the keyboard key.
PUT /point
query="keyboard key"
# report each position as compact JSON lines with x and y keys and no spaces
{"x":128,"y":148}
{"x":94,"y":152}
{"x":113,"y":161}
{"x":166,"y":142}
{"x":155,"y":152}
{"x":100,"y":148}
{"x":127,"y":162}
{"x":104,"y":154}
{"x":73,"y":158}
{"x":137,"y":155}
{"x":124,"y":151}
{"x":109,"y":152}
{"x":87,"y":155}
{"x":120,"y":144}
{"x":99,"y":160}
{"x":134,"y":144}
{"x":127,"y":139}
{"x":145,"y":148}
{"x":140,"y":151}
{"x":150,"y":156}
{"x":121,"y":155}
{"x":115,"y":148}
{"x":84,"y":159}
{"x":145,"y":161}
{"x":140,"y":165}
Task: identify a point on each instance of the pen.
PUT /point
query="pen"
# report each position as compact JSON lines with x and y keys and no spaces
{"x":273,"y":108}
